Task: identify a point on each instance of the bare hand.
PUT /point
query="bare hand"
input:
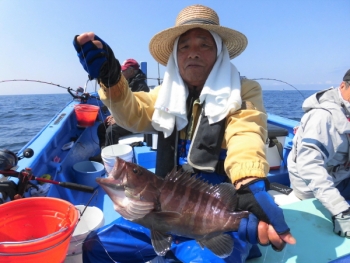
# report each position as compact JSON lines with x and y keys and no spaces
{"x":86,"y":37}
{"x":268,"y":235}
{"x":110,"y":120}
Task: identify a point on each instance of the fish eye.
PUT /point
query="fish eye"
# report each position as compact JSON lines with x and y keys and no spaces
{"x":137,"y":171}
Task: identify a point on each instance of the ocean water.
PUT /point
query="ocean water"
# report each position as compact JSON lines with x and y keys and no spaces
{"x":23,"y":116}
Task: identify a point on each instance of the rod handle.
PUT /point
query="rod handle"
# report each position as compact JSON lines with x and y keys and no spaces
{"x":79,"y":187}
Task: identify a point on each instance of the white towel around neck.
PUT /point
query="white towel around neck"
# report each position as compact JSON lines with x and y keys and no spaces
{"x":221,"y":92}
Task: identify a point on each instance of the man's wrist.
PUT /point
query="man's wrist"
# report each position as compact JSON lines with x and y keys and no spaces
{"x":244,"y":181}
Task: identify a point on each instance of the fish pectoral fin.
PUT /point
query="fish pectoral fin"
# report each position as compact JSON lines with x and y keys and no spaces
{"x":221,"y":245}
{"x":137,"y":209}
{"x":161,"y":242}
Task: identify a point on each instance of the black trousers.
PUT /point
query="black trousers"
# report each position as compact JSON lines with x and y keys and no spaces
{"x":109,"y":135}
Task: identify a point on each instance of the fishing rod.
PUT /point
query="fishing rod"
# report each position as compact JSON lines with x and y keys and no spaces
{"x":8,"y":160}
{"x":26,"y":174}
{"x":84,"y":95}
{"x":38,"y":81}
{"x":282,"y":82}
{"x":159,"y":79}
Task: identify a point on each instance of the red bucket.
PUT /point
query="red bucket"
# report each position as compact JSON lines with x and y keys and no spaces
{"x":86,"y":114}
{"x":36,"y":229}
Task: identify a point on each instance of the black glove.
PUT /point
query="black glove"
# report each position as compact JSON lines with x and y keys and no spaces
{"x":99,"y":63}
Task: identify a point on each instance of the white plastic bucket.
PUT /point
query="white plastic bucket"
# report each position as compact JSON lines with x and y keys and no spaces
{"x":92,"y":219}
{"x":109,"y":154}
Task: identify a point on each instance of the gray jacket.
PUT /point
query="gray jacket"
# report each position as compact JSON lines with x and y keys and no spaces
{"x":317,"y":162}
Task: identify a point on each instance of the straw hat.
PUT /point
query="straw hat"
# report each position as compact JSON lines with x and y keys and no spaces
{"x":195,"y":16}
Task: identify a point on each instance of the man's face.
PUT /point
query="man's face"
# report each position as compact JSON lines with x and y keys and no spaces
{"x":196,"y":56}
{"x":345,"y":90}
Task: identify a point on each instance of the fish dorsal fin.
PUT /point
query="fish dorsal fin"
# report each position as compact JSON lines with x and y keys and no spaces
{"x":178,"y":175}
{"x":185,"y":178}
{"x":161,"y":242}
{"x":221,"y":245}
{"x":226,"y":192}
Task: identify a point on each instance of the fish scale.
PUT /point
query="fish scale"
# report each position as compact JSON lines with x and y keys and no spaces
{"x":183,"y":205}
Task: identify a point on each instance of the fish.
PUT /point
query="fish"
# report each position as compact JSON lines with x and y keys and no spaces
{"x":180,"y":204}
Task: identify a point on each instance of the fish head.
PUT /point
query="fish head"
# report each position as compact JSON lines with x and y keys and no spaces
{"x":128,"y":180}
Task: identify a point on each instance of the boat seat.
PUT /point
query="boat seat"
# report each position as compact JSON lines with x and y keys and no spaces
{"x":129,"y":139}
{"x":274,"y":145}
{"x":274,"y":131}
{"x":283,"y":199}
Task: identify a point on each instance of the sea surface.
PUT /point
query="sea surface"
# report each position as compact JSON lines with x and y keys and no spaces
{"x":23,"y":116}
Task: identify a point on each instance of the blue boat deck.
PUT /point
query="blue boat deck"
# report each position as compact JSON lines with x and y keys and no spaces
{"x":307,"y":219}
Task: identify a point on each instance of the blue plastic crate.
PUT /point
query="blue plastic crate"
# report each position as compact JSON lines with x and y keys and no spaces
{"x":145,"y":157}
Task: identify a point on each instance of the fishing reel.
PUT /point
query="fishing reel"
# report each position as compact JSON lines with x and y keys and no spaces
{"x":83,"y":97}
{"x":81,"y":93}
{"x":12,"y":190}
{"x":9,"y":159}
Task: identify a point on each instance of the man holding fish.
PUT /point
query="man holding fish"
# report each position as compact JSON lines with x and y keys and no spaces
{"x":204,"y":101}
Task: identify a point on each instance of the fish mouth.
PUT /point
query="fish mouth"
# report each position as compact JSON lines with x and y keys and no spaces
{"x":115,"y":187}
{"x":115,"y":191}
{"x":110,"y":183}
{"x":114,"y":182}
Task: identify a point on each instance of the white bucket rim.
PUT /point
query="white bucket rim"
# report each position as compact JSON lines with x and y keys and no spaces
{"x":113,"y":151}
{"x":96,"y":212}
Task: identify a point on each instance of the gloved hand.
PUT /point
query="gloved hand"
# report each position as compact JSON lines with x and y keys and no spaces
{"x":254,"y":198}
{"x":248,"y":229}
{"x":341,"y":223}
{"x":99,"y":63}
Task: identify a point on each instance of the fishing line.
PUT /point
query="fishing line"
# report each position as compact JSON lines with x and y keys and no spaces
{"x":99,"y":112}
{"x":282,"y":82}
{"x":284,"y":254}
{"x":105,"y":250}
{"x":108,"y":81}
{"x":98,"y":241}
{"x":110,"y":103}
{"x":267,"y":248}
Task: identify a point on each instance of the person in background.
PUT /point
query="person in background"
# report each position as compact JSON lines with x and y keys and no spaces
{"x":204,"y":100}
{"x":319,"y":161}
{"x":134,"y":75}
{"x":109,"y":131}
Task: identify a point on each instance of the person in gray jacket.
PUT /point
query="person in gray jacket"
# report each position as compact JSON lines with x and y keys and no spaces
{"x":319,"y":163}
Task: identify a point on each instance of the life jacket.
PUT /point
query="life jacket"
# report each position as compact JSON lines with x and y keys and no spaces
{"x":203,"y":153}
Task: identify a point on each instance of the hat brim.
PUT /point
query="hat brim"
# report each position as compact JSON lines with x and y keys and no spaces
{"x":161,"y":45}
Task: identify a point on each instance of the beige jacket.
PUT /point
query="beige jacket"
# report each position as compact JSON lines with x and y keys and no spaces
{"x":245,"y":134}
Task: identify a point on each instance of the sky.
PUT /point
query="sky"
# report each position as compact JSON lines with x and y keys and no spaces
{"x":304,"y":43}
